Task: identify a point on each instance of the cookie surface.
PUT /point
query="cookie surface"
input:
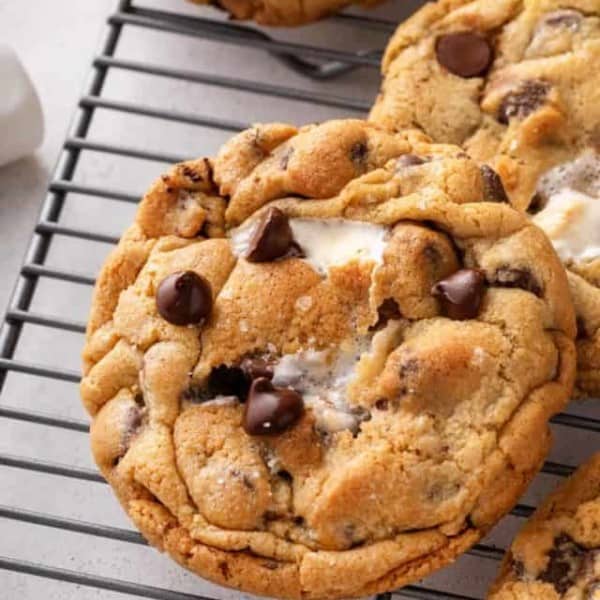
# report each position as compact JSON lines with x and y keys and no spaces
{"x":283,"y":12}
{"x":517,"y":85}
{"x":366,"y":387}
{"x":557,"y":553}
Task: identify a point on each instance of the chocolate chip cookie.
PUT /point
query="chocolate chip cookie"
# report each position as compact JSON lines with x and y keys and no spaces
{"x":517,"y":85}
{"x":557,"y":554}
{"x":319,"y":366}
{"x":283,"y":12}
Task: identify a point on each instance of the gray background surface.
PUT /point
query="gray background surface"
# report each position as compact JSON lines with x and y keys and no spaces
{"x":57,"y":41}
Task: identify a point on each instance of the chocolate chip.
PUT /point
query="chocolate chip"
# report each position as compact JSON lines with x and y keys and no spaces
{"x":493,"y":188}
{"x":537,"y":203}
{"x":272,"y":238}
{"x":522,"y":102}
{"x":517,"y":278}
{"x":466,"y":53}
{"x":461,"y":294}
{"x":184,"y":298}
{"x":358,"y":153}
{"x":564,"y":562}
{"x":563,"y":18}
{"x":409,"y":160}
{"x":388,"y":310}
{"x":271,"y":410}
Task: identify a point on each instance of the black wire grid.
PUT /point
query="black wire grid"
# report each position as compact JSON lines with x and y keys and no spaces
{"x":314,"y":63}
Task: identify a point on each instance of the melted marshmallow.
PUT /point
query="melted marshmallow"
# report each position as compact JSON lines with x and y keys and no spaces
{"x":326,"y":242}
{"x":571,"y":217}
{"x":322,"y":381}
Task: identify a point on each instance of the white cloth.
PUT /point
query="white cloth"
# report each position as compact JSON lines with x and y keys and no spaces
{"x":21,"y":117}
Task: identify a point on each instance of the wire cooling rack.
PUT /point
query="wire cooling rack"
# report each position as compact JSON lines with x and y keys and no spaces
{"x":166,"y":86}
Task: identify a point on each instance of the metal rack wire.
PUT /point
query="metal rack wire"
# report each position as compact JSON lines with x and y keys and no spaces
{"x":315,"y":69}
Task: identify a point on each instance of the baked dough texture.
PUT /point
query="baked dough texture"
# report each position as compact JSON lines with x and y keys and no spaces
{"x":515,"y":83}
{"x":556,"y":556}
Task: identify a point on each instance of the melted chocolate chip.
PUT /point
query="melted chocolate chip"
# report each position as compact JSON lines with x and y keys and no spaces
{"x":461,"y":294}
{"x":184,"y":298}
{"x":285,"y":475}
{"x":537,"y":203}
{"x":409,"y":160}
{"x":382,"y":404}
{"x":564,"y":562}
{"x":493,"y":188}
{"x":522,"y":102}
{"x":271,"y":410}
{"x":132,"y":421}
{"x":359,"y":153}
{"x":272,"y":238}
{"x":466,"y":53}
{"x":517,"y":278}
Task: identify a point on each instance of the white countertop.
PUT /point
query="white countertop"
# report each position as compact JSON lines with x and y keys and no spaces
{"x":56,"y":41}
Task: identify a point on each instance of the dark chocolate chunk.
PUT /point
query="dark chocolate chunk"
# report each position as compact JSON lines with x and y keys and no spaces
{"x":522,"y":102}
{"x":272,"y":238}
{"x":564,"y":563}
{"x":184,"y":298}
{"x":461,"y":294}
{"x":466,"y":53}
{"x":271,"y":410}
{"x":517,"y":278}
{"x":493,"y":188}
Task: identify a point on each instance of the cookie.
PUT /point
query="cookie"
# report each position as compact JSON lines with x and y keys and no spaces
{"x":517,"y":85}
{"x":319,"y":366}
{"x":557,"y":553}
{"x":283,"y":12}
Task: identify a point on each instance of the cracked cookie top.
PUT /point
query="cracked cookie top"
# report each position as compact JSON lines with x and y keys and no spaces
{"x":513,"y":82}
{"x":283,"y":12}
{"x":319,"y":365}
{"x":557,"y":553}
